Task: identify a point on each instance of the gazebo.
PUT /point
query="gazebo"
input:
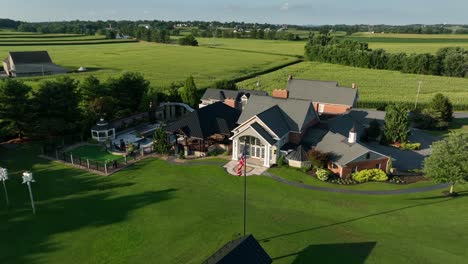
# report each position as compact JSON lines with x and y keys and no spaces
{"x":103,"y":131}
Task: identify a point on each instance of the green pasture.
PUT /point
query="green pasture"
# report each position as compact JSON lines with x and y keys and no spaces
{"x":155,"y":212}
{"x":374,"y":85}
{"x":160,"y":64}
{"x":281,"y":47}
{"x":416,"y":47}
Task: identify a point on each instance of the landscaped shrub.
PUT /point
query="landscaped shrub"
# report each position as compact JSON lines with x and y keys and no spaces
{"x":410,"y":146}
{"x":281,"y":161}
{"x":317,"y":158}
{"x":181,"y":155}
{"x":396,"y":179}
{"x":305,"y":168}
{"x":370,"y":175}
{"x":323,"y":174}
{"x":344,"y":181}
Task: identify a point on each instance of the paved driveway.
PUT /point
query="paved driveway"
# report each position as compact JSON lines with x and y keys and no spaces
{"x":405,"y":160}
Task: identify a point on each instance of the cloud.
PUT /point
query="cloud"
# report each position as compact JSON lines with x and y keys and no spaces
{"x":285,"y":7}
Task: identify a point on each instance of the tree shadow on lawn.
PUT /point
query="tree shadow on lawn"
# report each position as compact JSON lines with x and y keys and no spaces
{"x":25,"y":234}
{"x":443,"y":196}
{"x":268,"y":239}
{"x":350,"y":253}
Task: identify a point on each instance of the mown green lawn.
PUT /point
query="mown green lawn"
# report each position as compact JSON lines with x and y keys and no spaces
{"x":154,"y":212}
{"x":93,"y":152}
{"x":160,"y":64}
{"x":374,"y":85}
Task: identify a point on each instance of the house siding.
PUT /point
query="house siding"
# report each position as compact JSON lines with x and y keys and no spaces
{"x":332,"y":108}
{"x":345,"y":172}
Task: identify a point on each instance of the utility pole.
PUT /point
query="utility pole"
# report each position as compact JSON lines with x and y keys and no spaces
{"x":417,"y":95}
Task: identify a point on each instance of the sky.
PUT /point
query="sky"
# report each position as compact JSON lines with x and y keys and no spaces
{"x":299,"y":12}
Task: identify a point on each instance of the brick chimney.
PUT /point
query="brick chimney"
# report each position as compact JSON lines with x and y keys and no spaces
{"x":280,"y":93}
{"x":353,"y":86}
{"x":230,"y":102}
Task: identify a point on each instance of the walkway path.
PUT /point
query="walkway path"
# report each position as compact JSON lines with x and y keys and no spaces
{"x":366,"y":192}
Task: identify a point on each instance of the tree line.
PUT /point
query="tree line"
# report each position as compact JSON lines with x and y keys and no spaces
{"x":65,"y":106}
{"x":450,"y":61}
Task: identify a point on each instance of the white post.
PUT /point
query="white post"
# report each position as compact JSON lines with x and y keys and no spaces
{"x":3,"y":178}
{"x":105,"y":167}
{"x":28,"y":178}
{"x":32,"y":199}
{"x":71,"y":157}
{"x":87,"y":162}
{"x":266,"y":162}
{"x":125,"y":157}
{"x":6,"y":194}
{"x":417,"y":95}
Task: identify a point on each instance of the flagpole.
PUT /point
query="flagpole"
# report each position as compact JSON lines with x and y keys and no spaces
{"x":245,"y":185}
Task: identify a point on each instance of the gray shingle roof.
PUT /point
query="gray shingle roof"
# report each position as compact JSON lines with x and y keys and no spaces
{"x":298,"y":155}
{"x":20,"y":57}
{"x":273,"y":119}
{"x":216,"y":118}
{"x":295,"y":114}
{"x":219,"y":94}
{"x":263,"y":133}
{"x":341,"y":151}
{"x":245,"y":250}
{"x":320,"y":91}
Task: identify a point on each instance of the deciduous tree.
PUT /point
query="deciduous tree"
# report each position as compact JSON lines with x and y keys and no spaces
{"x":448,"y":162}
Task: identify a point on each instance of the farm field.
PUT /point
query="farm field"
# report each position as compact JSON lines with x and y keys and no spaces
{"x":281,"y":47}
{"x":416,"y":47}
{"x":160,"y":64}
{"x":34,"y":39}
{"x":374,"y":85}
{"x":157,"y":212}
{"x":411,"y":43}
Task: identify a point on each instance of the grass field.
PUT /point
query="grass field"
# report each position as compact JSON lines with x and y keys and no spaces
{"x":35,"y":39}
{"x":154,"y":212}
{"x":411,"y":43}
{"x":160,"y":64}
{"x":374,"y":85}
{"x":95,"y":153}
{"x":281,"y":47}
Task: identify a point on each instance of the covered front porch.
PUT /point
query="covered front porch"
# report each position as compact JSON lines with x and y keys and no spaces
{"x":258,"y":151}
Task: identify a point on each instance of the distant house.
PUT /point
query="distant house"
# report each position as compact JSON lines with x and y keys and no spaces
{"x":245,"y":250}
{"x":234,"y":98}
{"x":31,"y":63}
{"x":327,"y":96}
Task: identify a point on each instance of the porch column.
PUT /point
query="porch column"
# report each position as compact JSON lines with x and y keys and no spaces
{"x":266,"y":162}
{"x":235,"y":148}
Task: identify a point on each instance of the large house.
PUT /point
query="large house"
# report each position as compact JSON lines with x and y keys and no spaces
{"x":30,"y":63}
{"x":289,"y":121}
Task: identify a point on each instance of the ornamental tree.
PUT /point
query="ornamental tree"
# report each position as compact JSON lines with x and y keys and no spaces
{"x":448,"y":162}
{"x":397,"y":123}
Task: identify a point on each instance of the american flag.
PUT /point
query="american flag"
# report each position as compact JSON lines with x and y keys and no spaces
{"x":242,"y":163}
